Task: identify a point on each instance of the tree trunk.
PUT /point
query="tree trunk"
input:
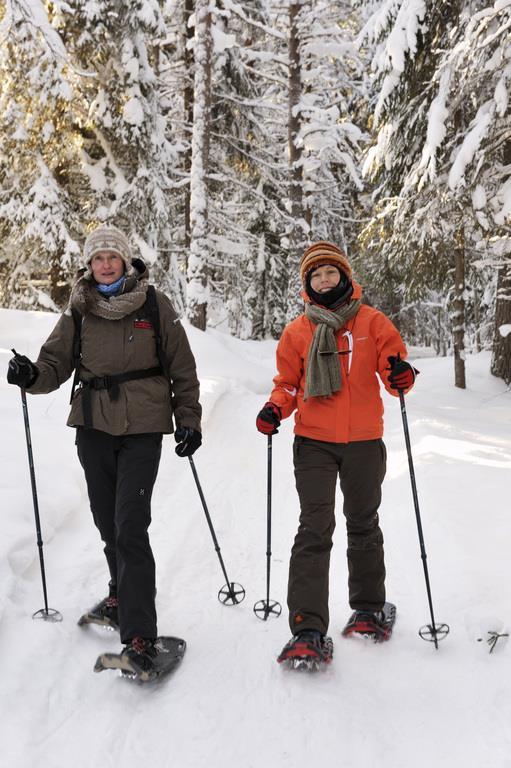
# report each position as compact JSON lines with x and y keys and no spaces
{"x":501,"y":349}
{"x":188,"y":111}
{"x":197,"y":274}
{"x":59,"y":288}
{"x":501,"y":353}
{"x":458,"y":313}
{"x":477,"y":322}
{"x":296,"y":235}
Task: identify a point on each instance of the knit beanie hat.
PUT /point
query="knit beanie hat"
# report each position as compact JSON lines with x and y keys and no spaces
{"x":107,"y":238}
{"x":323,"y":253}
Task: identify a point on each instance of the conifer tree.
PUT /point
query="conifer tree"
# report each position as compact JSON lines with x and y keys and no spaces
{"x":38,"y":218}
{"x":197,"y":277}
{"x":436,"y":154}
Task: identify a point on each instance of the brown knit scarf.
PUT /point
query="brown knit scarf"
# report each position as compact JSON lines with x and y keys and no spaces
{"x":323,"y":375}
{"x":86,"y":298}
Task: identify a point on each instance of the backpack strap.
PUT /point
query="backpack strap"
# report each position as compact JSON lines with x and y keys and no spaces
{"x":77,"y":349}
{"x":153,"y":314}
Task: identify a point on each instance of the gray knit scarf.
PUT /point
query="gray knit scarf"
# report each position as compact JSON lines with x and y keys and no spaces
{"x":323,"y":375}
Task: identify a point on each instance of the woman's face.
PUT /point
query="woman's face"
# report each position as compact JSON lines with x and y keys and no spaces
{"x":107,"y":267}
{"x":325,"y":278}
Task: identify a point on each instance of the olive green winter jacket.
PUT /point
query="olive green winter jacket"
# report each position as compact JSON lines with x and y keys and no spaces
{"x":114,"y":346}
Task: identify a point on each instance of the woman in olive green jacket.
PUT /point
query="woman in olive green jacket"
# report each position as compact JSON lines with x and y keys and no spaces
{"x":136,"y":373}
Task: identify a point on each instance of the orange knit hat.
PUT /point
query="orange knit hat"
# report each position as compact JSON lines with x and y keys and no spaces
{"x":323,"y":253}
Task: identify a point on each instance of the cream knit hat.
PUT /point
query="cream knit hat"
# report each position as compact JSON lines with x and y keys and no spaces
{"x":107,"y":238}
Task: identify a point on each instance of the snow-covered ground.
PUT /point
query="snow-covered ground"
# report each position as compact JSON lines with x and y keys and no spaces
{"x":395,"y":705}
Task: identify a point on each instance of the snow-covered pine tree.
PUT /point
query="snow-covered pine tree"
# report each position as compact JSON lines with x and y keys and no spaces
{"x":433,"y":115}
{"x":401,"y":42}
{"x":248,"y":179}
{"x":300,"y":216}
{"x":89,"y":135}
{"x":330,"y":136}
{"x":248,"y":176}
{"x":38,"y":218}
{"x":321,"y":179}
{"x":250,"y":214}
{"x":324,"y":81}
{"x":127,"y":159}
{"x":197,"y":274}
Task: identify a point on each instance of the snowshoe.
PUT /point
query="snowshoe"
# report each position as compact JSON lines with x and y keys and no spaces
{"x":376,"y":625}
{"x":144,"y":660}
{"x":307,"y":651}
{"x":105,"y":613}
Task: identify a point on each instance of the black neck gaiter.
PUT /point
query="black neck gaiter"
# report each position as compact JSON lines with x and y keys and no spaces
{"x":335,"y":297}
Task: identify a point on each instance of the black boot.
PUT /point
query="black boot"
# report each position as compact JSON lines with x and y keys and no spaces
{"x":105,"y":613}
{"x":374,"y":624}
{"x":307,"y":650}
{"x":140,"y":653}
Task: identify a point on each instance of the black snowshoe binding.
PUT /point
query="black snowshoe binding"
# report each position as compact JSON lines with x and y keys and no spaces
{"x":376,"y":625}
{"x":144,"y":660}
{"x":105,"y":613}
{"x":308,"y":651}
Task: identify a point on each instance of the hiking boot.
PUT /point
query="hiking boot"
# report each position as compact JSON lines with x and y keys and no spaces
{"x":307,"y":650}
{"x":141,"y":652}
{"x":105,"y":613}
{"x":375,"y":624}
{"x":108,"y":609}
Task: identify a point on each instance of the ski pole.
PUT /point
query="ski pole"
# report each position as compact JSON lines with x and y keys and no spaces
{"x":265,"y":608}
{"x":48,"y":614}
{"x":431,"y":632}
{"x":231,"y":593}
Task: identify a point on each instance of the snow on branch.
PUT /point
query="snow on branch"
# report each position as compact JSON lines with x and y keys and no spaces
{"x":222,"y":41}
{"x":471,"y":143}
{"x":378,"y":22}
{"x":34,"y":13}
{"x":237,"y":10}
{"x":436,"y":130}
{"x":400,"y":43}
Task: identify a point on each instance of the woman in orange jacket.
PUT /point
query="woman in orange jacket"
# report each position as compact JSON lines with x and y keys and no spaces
{"x":329,"y":360}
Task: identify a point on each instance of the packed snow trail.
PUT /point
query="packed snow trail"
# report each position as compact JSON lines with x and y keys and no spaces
{"x":229,"y":704}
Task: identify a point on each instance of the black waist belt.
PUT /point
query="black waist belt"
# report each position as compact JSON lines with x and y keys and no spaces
{"x":111,"y":383}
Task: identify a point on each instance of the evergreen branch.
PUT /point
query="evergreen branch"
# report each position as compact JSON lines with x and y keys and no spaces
{"x":250,"y":103}
{"x":237,"y":182}
{"x":264,"y":75}
{"x":237,"y":11}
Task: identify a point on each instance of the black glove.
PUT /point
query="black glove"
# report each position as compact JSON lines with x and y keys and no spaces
{"x":21,"y":371}
{"x":402,"y":375}
{"x":188,"y":440}
{"x":268,"y":419}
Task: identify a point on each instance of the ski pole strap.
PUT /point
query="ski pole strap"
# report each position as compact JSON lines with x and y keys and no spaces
{"x":111,"y":384}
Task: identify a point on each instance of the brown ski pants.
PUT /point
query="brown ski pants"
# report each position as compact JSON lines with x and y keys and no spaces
{"x":361,"y":468}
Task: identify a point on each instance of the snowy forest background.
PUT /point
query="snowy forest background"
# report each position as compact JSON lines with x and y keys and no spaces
{"x":223,"y":136}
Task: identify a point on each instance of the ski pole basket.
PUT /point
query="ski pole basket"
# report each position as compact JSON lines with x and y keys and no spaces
{"x":434,"y":633}
{"x":48,"y":614}
{"x":263,"y":609}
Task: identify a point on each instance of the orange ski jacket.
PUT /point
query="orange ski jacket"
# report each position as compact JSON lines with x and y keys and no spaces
{"x":356,"y":411}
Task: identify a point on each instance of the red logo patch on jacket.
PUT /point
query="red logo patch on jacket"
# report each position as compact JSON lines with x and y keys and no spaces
{"x":145,"y":324}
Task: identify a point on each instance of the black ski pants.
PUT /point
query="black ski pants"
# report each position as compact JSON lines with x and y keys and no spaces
{"x":361,"y":468}
{"x":120,"y":473}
